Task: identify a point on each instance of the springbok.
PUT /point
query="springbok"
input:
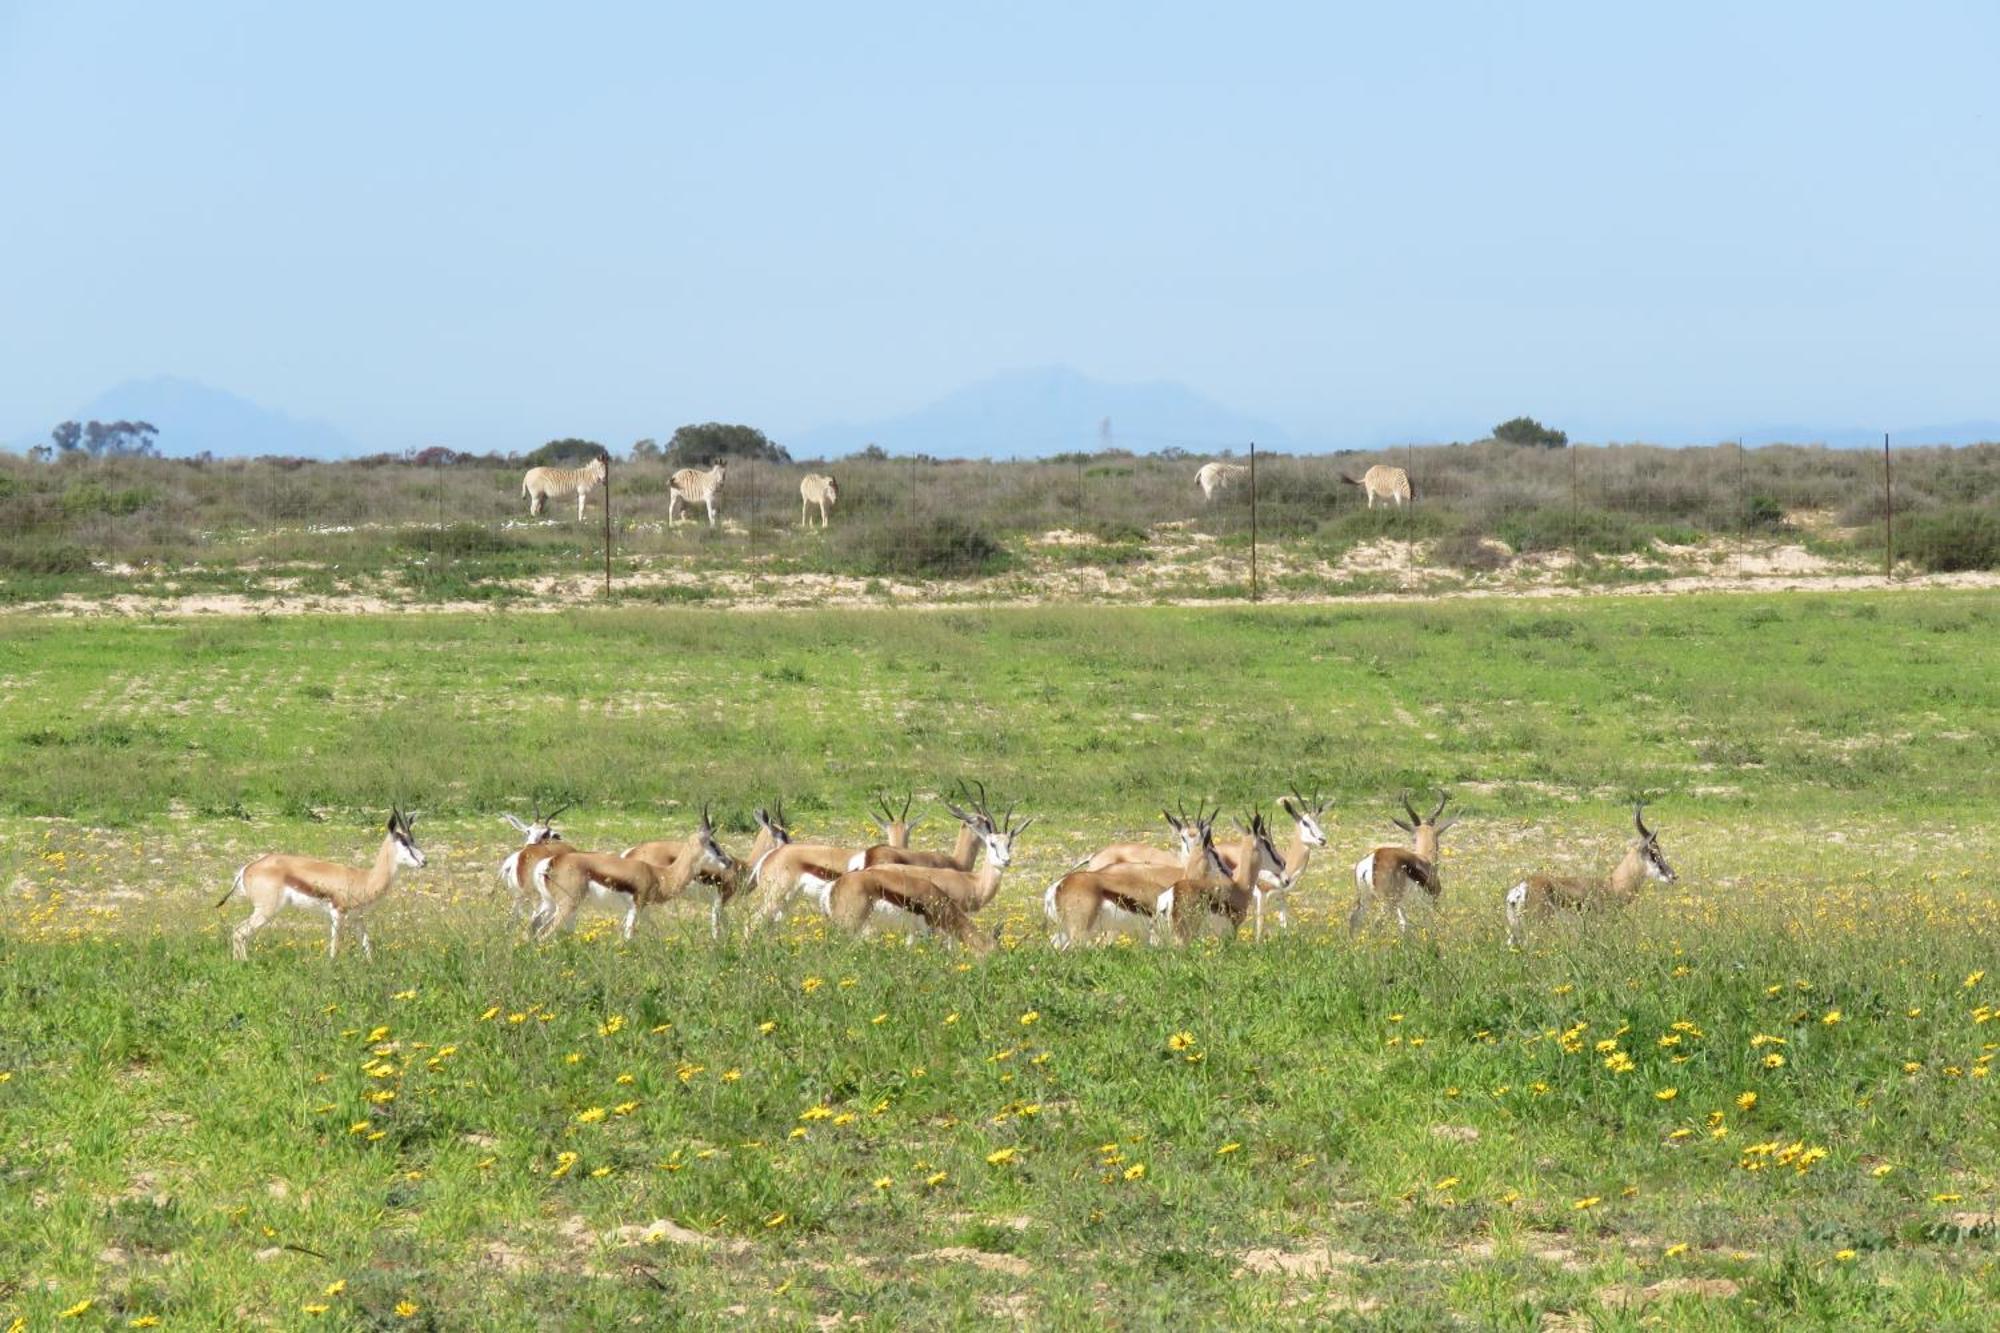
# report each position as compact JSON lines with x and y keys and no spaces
{"x":1539,"y":895}
{"x":1144,"y":853}
{"x":1215,"y":477}
{"x":565,"y":881}
{"x":692,"y":486}
{"x":1273,"y":890}
{"x":1219,"y":904}
{"x":927,"y":898}
{"x":1391,"y":483}
{"x":542,"y":482}
{"x":1130,"y":898}
{"x":719,"y":887}
{"x":788,"y":869}
{"x":539,"y":841}
{"x":963,"y":849}
{"x":277,"y":881}
{"x":816,"y":488}
{"x":1387,"y":873}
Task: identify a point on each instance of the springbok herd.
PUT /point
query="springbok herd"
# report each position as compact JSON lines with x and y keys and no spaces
{"x":1196,"y":887}
{"x":693,"y":486}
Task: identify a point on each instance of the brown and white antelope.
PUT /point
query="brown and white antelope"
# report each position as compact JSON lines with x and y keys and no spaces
{"x":1307,"y":836}
{"x":275,"y":882}
{"x":692,"y":486}
{"x":789,"y":869}
{"x":1540,"y":895}
{"x":927,"y":899}
{"x":718,"y":887}
{"x":1144,"y":853}
{"x":1214,"y":477}
{"x":1209,"y":904}
{"x":1391,"y":483}
{"x":816,"y":488}
{"x":542,"y":482}
{"x":1386,"y":874}
{"x":1131,"y":897}
{"x":567,"y":881}
{"x":539,"y":841}
{"x":961,"y":856}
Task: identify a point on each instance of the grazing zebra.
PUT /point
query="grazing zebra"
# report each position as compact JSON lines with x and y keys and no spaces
{"x":1391,"y":483}
{"x":542,"y":482}
{"x":691,"y":486}
{"x":816,"y":489}
{"x":1215,"y":476}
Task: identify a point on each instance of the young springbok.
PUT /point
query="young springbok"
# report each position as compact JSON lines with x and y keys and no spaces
{"x":1540,"y":895}
{"x":565,"y":881}
{"x":275,"y":882}
{"x":539,"y":841}
{"x":1211,"y":904}
{"x":795,"y":866}
{"x":927,"y":898}
{"x":1214,"y":477}
{"x":692,"y":486}
{"x":816,"y":488}
{"x":542,"y":482}
{"x":1386,"y":874}
{"x":1391,"y":483}
{"x":1133,"y":897}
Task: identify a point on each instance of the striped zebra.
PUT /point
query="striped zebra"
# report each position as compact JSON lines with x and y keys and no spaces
{"x":1391,"y":483}
{"x":1214,"y":477}
{"x":816,"y":488}
{"x":542,"y":482}
{"x":692,"y":486}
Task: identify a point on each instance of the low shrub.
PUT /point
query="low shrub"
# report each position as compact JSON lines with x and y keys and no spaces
{"x":946,"y":547}
{"x":1944,"y":541}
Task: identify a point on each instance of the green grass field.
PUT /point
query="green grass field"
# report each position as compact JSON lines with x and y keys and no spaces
{"x":1761,"y":1094}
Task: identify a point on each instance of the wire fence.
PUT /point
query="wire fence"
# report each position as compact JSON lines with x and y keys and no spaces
{"x":1105,"y":526}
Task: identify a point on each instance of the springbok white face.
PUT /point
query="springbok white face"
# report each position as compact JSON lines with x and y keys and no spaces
{"x":407,"y":851}
{"x":1649,"y":849}
{"x":774,"y":824}
{"x":1306,"y":815}
{"x":1266,"y":848}
{"x":712,"y":855}
{"x":999,"y":842}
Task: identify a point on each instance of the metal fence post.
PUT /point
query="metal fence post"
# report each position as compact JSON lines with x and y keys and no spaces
{"x":1255,"y":591}
{"x":607,"y":526}
{"x":1888,"y":515}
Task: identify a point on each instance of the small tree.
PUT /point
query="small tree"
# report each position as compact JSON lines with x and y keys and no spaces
{"x":68,"y":437}
{"x":569,"y":452}
{"x":646,"y":450}
{"x":1527,"y":430}
{"x":713,"y":441}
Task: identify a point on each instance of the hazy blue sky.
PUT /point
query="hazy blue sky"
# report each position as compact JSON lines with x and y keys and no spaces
{"x":489,"y":224}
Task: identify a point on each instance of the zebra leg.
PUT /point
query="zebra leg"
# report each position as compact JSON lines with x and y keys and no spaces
{"x":710,"y":502}
{"x":581,"y":496}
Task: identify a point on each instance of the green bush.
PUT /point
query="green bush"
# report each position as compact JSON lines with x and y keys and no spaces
{"x":63,"y":558}
{"x":1555,"y":528}
{"x":1763,"y":512}
{"x":946,"y":547}
{"x":1948,"y":540}
{"x":458,"y":540}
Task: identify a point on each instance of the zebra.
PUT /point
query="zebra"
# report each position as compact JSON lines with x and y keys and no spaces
{"x":542,"y":482}
{"x":690,"y":485}
{"x":1215,"y":476}
{"x":816,"y":489}
{"x":1391,"y":483}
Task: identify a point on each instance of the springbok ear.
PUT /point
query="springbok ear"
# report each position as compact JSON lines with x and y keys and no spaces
{"x":1439,"y":828}
{"x":515,"y":820}
{"x":1024,"y":825}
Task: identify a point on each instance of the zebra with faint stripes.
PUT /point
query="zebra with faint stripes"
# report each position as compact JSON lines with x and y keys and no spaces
{"x":1391,"y":483}
{"x":542,"y":482}
{"x":816,"y":488}
{"x":692,"y":486}
{"x":1214,"y":477}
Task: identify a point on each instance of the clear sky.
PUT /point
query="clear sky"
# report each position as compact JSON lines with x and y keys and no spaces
{"x":490,"y":224}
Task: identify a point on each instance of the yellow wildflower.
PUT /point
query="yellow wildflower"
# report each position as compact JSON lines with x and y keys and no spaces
{"x":1666,"y":1094}
{"x":1136,"y":1171}
{"x":884,"y":1182}
{"x":1180,"y":1041}
{"x":1228,"y":1148}
{"x":406,"y":1309}
{"x":1973,"y":978}
{"x":1032,"y":1017}
{"x":564,"y":1161}
{"x":1774,"y":1061}
{"x":591,"y":1116}
{"x":777,"y":1219}
{"x":1832,"y":1016}
{"x":1746,"y":1101}
{"x":936,"y":1178}
{"x":1002,"y":1156}
{"x":1583,"y":1205}
{"x":811,"y":984}
{"x":1844,"y":1256}
{"x":1676,"y":1251}
{"x":1882,"y":1170}
{"x":77,"y":1310}
{"x":335,"y":1288}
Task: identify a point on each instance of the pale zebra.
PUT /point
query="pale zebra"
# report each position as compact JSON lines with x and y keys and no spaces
{"x":1216,"y":476}
{"x":1391,"y":483}
{"x":690,"y":486}
{"x":542,"y":482}
{"x":816,"y":488}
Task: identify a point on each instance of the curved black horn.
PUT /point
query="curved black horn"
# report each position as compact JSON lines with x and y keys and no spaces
{"x":1411,"y":810}
{"x":1639,"y":819}
{"x":1443,"y":796}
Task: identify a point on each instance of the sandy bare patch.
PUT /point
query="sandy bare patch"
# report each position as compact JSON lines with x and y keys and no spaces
{"x":661,"y":1231}
{"x":1626,"y":1295}
{"x":1299,"y":1263}
{"x":1010,"y":1264}
{"x":1455,"y":1133}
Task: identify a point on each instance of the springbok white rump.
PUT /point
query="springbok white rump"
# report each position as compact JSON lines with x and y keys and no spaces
{"x":692,"y":486}
{"x":565,"y":882}
{"x":539,"y":841}
{"x":1540,"y":895}
{"x":816,"y":488}
{"x":1215,"y":477}
{"x":927,"y":899}
{"x":1391,"y":483}
{"x":1387,"y":873}
{"x":542,"y":482}
{"x":275,"y":882}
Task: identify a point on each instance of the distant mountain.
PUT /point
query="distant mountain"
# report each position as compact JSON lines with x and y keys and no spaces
{"x":1848,"y":437}
{"x":193,"y":417}
{"x":1033,"y":413}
